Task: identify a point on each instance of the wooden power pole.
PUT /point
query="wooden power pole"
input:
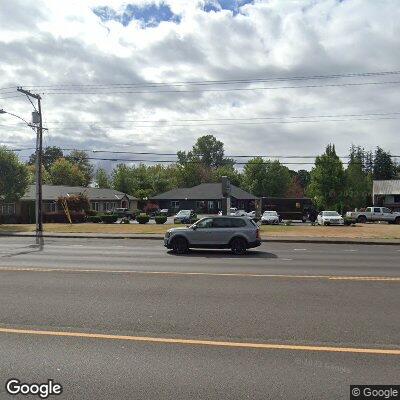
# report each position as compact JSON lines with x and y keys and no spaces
{"x":37,"y":120}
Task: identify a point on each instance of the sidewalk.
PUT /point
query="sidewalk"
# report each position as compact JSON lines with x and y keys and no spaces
{"x":156,"y":236}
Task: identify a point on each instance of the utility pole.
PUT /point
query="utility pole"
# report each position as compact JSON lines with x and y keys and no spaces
{"x":37,"y":120}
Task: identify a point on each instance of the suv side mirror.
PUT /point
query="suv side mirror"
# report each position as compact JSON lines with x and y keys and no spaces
{"x":194,"y":227}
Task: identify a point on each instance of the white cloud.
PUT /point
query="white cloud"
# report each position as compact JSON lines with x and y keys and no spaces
{"x":48,"y":42}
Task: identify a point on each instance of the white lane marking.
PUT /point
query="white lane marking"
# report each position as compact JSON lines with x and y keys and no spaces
{"x":350,"y":251}
{"x":299,"y":249}
{"x":287,"y":259}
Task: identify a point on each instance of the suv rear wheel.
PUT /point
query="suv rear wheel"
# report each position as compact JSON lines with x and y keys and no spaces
{"x":238,"y":246}
{"x":180,"y":245}
{"x":397,"y":220}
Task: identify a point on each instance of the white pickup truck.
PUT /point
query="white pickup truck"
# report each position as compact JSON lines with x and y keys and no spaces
{"x":372,"y":214}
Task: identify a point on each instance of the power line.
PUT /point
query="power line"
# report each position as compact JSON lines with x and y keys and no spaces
{"x":225,"y":81}
{"x":228,"y":119}
{"x":349,"y":84}
{"x":174,"y":154}
{"x":163,"y":125}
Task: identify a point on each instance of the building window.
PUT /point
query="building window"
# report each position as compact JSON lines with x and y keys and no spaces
{"x":110,"y":206}
{"x":175,"y":204}
{"x":95,"y":206}
{"x":396,"y":198}
{"x":210,"y":204}
{"x":7,"y":209}
{"x":51,"y":207}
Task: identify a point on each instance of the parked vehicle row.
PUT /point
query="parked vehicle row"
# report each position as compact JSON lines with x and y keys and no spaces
{"x":372,"y":214}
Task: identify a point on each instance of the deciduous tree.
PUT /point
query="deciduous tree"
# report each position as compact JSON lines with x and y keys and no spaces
{"x":14,"y":176}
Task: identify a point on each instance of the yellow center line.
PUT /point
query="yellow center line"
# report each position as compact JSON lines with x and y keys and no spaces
{"x":195,"y":342}
{"x":222,"y":274}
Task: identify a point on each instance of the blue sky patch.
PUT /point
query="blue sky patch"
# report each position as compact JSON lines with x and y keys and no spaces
{"x":149,"y":15}
{"x":231,"y":5}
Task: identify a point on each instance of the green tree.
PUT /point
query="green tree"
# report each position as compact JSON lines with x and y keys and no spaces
{"x":102,"y":178}
{"x":14,"y":176}
{"x":278,"y":179}
{"x":208,"y":150}
{"x":254,"y":176}
{"x":384,"y":166}
{"x":230,"y":171}
{"x":81,"y":160}
{"x":144,"y":181}
{"x":328,"y":181}
{"x":50,"y":155}
{"x":64,"y":172}
{"x":266,"y":178}
{"x":303,"y":178}
{"x":32,"y":174}
{"x":122,"y":179}
{"x":358,"y":185}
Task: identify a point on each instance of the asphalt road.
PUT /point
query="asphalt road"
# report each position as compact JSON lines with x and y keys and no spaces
{"x":125,"y":319}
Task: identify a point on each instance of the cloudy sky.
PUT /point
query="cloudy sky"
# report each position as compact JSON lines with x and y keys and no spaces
{"x":153,"y":75}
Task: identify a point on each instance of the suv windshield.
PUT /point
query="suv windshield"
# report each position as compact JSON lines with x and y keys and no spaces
{"x":183,"y":213}
{"x":270,"y":213}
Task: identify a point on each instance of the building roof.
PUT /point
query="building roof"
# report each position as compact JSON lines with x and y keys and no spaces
{"x":51,"y":192}
{"x":204,"y":191}
{"x":386,"y":187}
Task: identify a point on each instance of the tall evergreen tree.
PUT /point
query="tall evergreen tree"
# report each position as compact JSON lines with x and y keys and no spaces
{"x":328,"y":181}
{"x":384,"y":166}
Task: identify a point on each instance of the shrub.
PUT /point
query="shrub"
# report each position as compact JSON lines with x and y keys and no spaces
{"x":125,"y":220}
{"x":288,"y":222}
{"x":142,"y":218}
{"x":109,"y":218}
{"x":160,"y":219}
{"x":349,"y":221}
{"x":9,"y":219}
{"x":136,"y":212}
{"x":91,"y":213}
{"x":61,"y":218}
{"x":94,"y":219}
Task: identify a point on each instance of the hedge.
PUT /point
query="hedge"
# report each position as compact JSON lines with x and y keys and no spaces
{"x":109,"y":218}
{"x":60,"y":217}
{"x":93,"y":218}
{"x":142,"y":218}
{"x":160,"y":219}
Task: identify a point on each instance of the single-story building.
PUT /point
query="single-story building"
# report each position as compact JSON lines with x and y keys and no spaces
{"x":386,"y":194}
{"x":100,"y":200}
{"x":204,"y":198}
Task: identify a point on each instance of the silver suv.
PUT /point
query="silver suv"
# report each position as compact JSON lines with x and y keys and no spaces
{"x":220,"y":232}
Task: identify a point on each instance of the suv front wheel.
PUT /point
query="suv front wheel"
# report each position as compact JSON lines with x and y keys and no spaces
{"x":180,"y":245}
{"x":238,"y":246}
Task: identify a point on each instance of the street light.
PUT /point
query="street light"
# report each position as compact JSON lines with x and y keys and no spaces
{"x":16,"y":116}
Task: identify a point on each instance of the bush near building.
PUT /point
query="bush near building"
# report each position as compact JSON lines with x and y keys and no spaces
{"x":142,"y":218}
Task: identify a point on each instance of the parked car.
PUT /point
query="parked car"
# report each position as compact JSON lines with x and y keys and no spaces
{"x":372,"y":214}
{"x":164,"y":211}
{"x":236,"y":233}
{"x":232,"y":210}
{"x":251,"y":214}
{"x":123,"y":213}
{"x":239,"y":213}
{"x":185,"y":217}
{"x":330,"y":218}
{"x":270,"y":218}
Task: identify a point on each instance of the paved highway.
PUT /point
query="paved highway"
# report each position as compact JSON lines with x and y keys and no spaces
{"x":124,"y":319}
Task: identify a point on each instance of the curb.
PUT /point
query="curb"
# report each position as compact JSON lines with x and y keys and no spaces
{"x":150,"y":236}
